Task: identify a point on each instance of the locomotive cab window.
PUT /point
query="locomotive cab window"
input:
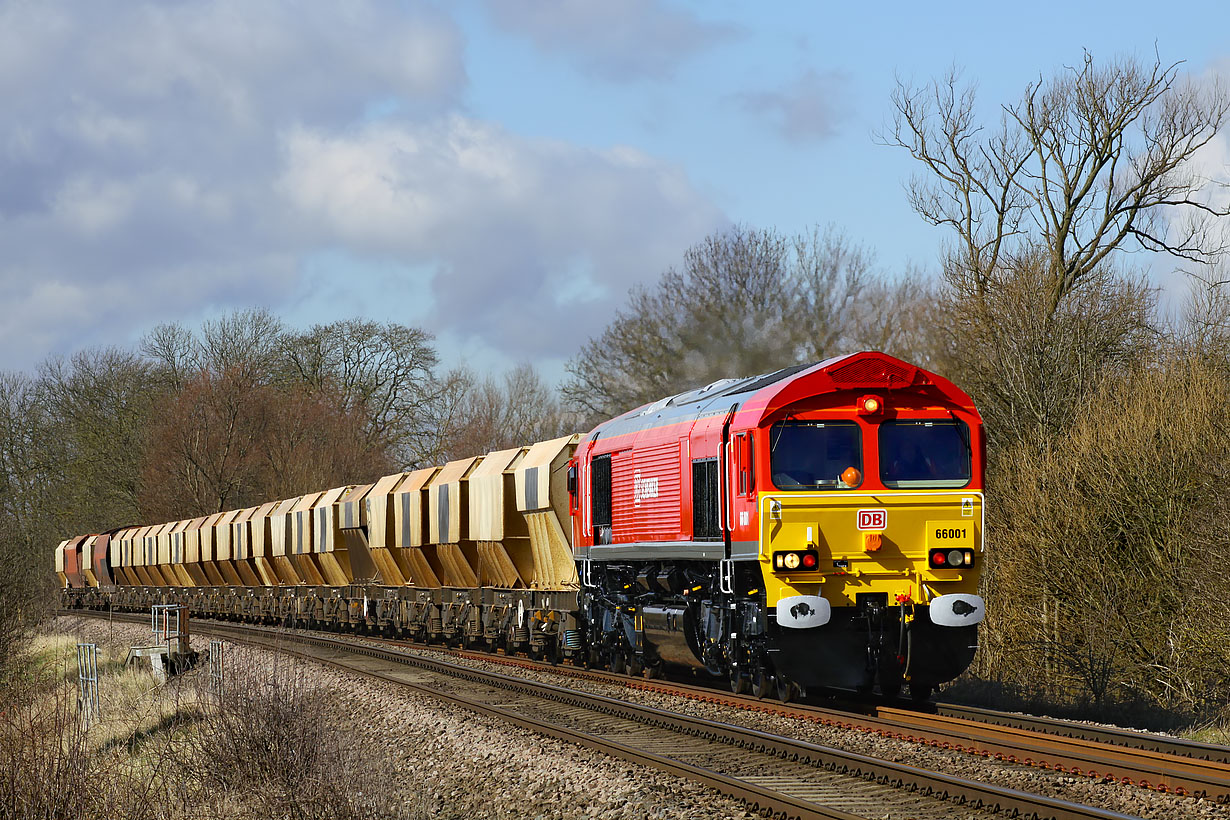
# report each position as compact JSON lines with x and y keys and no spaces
{"x":810,"y":455}
{"x":924,"y":454}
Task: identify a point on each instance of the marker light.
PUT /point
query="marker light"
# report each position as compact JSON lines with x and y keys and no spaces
{"x":796,"y":561}
{"x":950,"y":559}
{"x":870,"y":405}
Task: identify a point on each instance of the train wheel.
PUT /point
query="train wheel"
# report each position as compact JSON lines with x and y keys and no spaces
{"x":652,"y":671}
{"x":635,"y":666}
{"x":740,"y":682}
{"x":920,"y":691}
{"x":786,"y":690}
{"x":762,"y":682}
{"x":616,"y":664}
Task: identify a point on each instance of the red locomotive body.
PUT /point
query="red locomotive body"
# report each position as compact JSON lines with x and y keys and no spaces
{"x":670,"y":522}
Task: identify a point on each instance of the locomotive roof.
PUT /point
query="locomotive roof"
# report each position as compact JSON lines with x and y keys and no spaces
{"x":769,"y":392}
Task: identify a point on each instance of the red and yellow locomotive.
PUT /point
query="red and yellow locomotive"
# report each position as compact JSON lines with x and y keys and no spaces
{"x":820,"y":526}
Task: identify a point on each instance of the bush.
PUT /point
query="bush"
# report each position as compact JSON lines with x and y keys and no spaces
{"x":277,"y":745}
{"x":1110,"y":547}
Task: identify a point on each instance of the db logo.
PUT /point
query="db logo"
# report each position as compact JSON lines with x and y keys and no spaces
{"x":872,"y":519}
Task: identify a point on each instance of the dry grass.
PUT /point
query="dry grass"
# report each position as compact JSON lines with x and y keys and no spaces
{"x":274,"y":746}
{"x":1218,"y":733}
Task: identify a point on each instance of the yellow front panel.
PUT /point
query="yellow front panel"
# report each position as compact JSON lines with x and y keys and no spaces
{"x":907,"y":523}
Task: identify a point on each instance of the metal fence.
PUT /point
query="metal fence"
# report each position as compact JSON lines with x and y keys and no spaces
{"x":87,"y":682}
{"x":166,"y":621}
{"x":217,"y":667}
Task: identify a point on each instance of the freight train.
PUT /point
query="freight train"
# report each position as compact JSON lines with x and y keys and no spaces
{"x":815,"y":528}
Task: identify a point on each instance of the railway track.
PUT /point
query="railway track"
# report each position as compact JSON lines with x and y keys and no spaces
{"x":780,"y":775}
{"x":1169,"y":765}
{"x":1166,"y":764}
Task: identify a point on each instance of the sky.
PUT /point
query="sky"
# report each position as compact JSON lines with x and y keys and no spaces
{"x":499,"y":172}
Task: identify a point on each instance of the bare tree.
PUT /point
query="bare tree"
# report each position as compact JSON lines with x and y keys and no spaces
{"x":29,"y":490}
{"x":1112,"y":547}
{"x":205,"y":451}
{"x":313,"y":441}
{"x":175,"y":353}
{"x":1031,"y":368}
{"x":99,"y":403}
{"x":898,"y":317}
{"x":493,"y":414}
{"x":383,"y":371}
{"x":246,"y":343}
{"x":1096,"y":157}
{"x":744,"y":302}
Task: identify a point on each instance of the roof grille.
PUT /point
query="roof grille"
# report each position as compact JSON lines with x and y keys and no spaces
{"x":872,"y":373}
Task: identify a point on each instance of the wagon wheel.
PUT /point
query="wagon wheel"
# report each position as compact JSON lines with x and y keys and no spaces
{"x":616,"y":663}
{"x":634,"y":666}
{"x":786,"y":690}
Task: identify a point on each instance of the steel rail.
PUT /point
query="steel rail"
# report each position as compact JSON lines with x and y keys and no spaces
{"x":1177,"y":746}
{"x":1074,"y":755}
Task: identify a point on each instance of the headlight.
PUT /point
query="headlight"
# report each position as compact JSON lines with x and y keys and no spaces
{"x":796,"y":560}
{"x":950,"y":559}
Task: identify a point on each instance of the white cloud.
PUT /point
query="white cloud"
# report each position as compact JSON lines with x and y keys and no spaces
{"x":532,"y":238}
{"x":627,"y":40}
{"x":168,"y":161}
{"x":90,"y":207}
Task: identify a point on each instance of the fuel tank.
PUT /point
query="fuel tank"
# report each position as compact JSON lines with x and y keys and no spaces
{"x":669,"y":633}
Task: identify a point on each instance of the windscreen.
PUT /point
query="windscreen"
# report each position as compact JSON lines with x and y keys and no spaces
{"x":924,"y":454}
{"x":806,"y":455}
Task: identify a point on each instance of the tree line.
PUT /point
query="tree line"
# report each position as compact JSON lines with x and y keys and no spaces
{"x":238,"y":412}
{"x":1108,"y":533}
